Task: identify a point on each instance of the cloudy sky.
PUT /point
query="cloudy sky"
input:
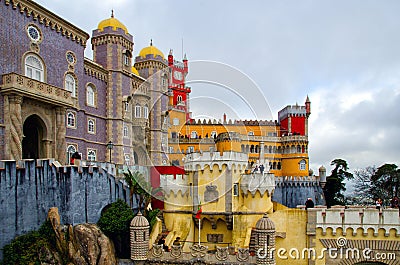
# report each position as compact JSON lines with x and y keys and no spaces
{"x":343,"y":54}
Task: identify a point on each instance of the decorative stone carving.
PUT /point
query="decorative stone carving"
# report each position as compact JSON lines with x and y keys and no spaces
{"x":211,"y":194}
{"x":176,"y":251}
{"x":222,"y":253}
{"x":157,"y":251}
{"x":242,"y":254}
{"x":198,"y":251}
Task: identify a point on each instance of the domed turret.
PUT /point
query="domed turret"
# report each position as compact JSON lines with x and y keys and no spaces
{"x":265,"y":224}
{"x":265,"y":229}
{"x":112,"y":22}
{"x":151,"y":50}
{"x":139,"y":237}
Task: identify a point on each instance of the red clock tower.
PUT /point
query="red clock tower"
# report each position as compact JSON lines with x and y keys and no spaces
{"x":177,"y":87}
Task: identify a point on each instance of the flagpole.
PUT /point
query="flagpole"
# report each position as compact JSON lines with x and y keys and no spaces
{"x":199,"y":232}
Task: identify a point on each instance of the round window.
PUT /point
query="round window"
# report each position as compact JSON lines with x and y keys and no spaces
{"x":70,"y":57}
{"x":33,"y":33}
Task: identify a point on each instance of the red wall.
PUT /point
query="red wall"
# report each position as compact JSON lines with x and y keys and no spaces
{"x":298,"y":125}
{"x":284,"y":126}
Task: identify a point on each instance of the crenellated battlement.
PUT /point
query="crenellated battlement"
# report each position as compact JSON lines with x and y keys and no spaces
{"x":174,"y":185}
{"x":355,"y":218}
{"x":297,"y":181}
{"x":292,"y":110}
{"x":262,"y":182}
{"x":232,"y":160}
{"x":233,"y":122}
{"x":28,"y":188}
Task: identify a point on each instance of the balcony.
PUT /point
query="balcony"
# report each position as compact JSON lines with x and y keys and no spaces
{"x":27,"y":87}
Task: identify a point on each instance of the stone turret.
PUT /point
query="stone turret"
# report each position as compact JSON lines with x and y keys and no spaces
{"x":139,"y":238}
{"x":322,"y":176}
{"x":265,"y":242}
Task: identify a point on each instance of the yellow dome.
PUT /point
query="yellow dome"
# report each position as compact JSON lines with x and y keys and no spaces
{"x":150,"y":50}
{"x":135,"y":71}
{"x":112,"y":22}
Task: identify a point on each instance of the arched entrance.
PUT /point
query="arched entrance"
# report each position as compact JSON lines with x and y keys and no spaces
{"x":34,"y":132}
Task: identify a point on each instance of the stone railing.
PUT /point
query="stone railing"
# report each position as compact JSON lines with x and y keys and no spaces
{"x":200,"y":254}
{"x":294,"y":138}
{"x":15,"y":83}
{"x":356,"y":218}
{"x":191,"y":140}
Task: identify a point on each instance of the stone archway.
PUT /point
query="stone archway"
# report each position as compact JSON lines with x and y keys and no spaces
{"x":35,"y":131}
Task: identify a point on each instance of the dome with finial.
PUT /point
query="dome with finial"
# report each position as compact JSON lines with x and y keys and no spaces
{"x":112,"y":22}
{"x":265,"y":223}
{"x":151,"y":50}
{"x":139,"y":221}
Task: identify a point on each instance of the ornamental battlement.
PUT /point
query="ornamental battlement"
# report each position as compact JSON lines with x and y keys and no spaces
{"x":232,"y":160}
{"x":262,"y":182}
{"x":233,"y":122}
{"x":171,"y":184}
{"x":349,"y":220}
{"x":297,"y":181}
{"x":292,"y":110}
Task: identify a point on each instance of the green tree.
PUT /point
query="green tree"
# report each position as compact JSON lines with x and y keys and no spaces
{"x":386,"y":181}
{"x":335,"y":185}
{"x":115,"y":222}
{"x":142,"y":190}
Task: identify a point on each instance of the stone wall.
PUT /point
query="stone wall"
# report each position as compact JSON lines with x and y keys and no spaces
{"x":293,"y":191}
{"x":29,"y":188}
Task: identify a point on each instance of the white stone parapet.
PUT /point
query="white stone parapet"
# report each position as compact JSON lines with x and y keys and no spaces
{"x":170,"y":184}
{"x":358,"y":217}
{"x":254,"y":182}
{"x":198,"y":161}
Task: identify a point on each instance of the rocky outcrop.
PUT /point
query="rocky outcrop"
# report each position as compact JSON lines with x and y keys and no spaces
{"x":81,"y":244}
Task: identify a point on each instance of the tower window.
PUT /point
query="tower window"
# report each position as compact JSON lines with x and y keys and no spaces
{"x":70,"y":84}
{"x":145,"y":112}
{"x":91,"y":95}
{"x":71,"y":119}
{"x":302,"y":165}
{"x":175,"y":121}
{"x":193,"y":135}
{"x":126,"y":131}
{"x":91,"y":156}
{"x":34,"y":68}
{"x":70,"y":151}
{"x":137,"y":111}
{"x":91,"y":126}
{"x":179,"y":99}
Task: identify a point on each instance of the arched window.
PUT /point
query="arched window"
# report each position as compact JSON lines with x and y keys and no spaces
{"x":71,"y":119}
{"x":127,"y":158}
{"x":135,"y":158}
{"x":145,"y":112}
{"x":126,"y":131}
{"x":91,"y":156}
{"x":71,"y":149}
{"x":90,"y":95}
{"x":179,"y":99}
{"x":91,"y":126}
{"x":250,"y":134}
{"x":193,"y":135}
{"x":137,"y":111}
{"x":34,"y":68}
{"x":70,"y":84}
{"x":302,"y":164}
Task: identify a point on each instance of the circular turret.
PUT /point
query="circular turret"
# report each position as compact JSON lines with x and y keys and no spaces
{"x":228,"y":142}
{"x":139,"y":237}
{"x":265,"y":230}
